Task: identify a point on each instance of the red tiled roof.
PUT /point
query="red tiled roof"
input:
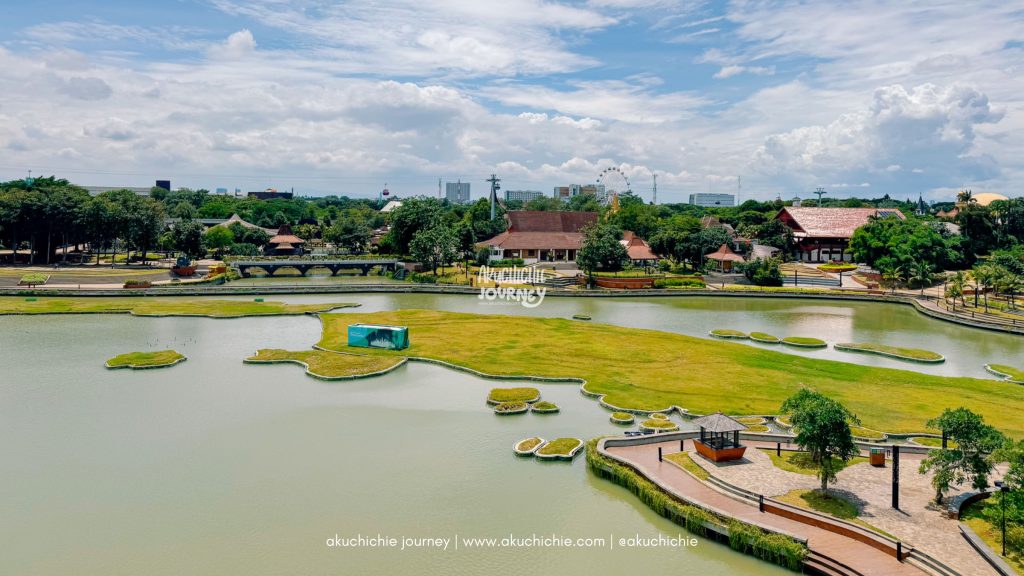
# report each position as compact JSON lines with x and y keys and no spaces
{"x":535,"y":230}
{"x":285,"y":236}
{"x":724,"y":254}
{"x":536,"y":240}
{"x":812,"y":222}
{"x":637,"y":248}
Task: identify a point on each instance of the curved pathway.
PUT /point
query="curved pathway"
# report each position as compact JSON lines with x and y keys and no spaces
{"x":866,"y":559}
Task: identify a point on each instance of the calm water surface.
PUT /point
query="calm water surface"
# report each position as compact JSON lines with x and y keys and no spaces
{"x":216,"y":467}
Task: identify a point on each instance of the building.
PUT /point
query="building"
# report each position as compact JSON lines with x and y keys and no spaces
{"x":271,"y":194}
{"x":710,"y":200}
{"x":457,"y":192}
{"x":391,"y":206}
{"x":823,"y":234}
{"x":979,"y":199}
{"x":523,"y":196}
{"x":537,"y":236}
{"x":640,"y":253}
{"x":284,"y":243}
{"x":97,"y":190}
{"x":566,"y":192}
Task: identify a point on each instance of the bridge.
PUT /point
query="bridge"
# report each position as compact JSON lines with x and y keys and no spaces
{"x":245,"y":267}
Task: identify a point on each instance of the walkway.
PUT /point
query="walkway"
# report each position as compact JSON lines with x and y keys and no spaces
{"x":864,"y":558}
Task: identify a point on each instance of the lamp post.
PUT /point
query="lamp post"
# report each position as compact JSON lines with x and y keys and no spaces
{"x":1003,"y":490}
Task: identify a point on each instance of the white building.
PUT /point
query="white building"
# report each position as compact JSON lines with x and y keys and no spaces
{"x":711,"y":200}
{"x":457,"y":192}
{"x":522,"y":195}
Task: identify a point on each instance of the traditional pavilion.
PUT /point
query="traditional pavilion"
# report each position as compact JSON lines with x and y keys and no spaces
{"x":823,"y":234}
{"x":725,"y":257}
{"x":538,"y":236}
{"x":719,"y":439}
{"x":639,"y":251}
{"x":284,"y":243}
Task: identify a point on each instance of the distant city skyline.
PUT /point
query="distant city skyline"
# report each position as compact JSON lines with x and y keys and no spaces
{"x":861,"y":98}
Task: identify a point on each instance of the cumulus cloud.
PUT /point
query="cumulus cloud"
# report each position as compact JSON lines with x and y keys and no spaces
{"x":238,"y":45}
{"x":86,"y":88}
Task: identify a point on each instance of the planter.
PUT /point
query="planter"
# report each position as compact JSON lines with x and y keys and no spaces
{"x":624,"y":418}
{"x":624,"y":283}
{"x":184,"y":270}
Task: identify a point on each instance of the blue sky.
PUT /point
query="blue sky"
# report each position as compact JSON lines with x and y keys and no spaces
{"x":862,"y":98}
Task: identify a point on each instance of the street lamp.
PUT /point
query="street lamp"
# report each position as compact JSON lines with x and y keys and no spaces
{"x":1003,"y":489}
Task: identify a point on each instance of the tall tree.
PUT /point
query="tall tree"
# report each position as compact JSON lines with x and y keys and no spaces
{"x":601,"y":249}
{"x":968,"y":457}
{"x":823,"y":430}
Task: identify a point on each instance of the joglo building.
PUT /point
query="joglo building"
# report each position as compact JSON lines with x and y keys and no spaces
{"x":823,"y":234}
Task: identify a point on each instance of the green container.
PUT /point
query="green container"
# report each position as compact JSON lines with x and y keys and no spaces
{"x":257,"y":300}
{"x":375,"y":336}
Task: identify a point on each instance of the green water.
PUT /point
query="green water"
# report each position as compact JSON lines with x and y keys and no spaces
{"x":217,"y":467}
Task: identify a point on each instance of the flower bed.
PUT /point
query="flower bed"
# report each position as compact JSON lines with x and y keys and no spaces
{"x":1007,"y":373}
{"x":500,"y":395}
{"x":543,"y":407}
{"x":145,"y":360}
{"x":506,"y":408}
{"x":527,"y":446}
{"x":729,"y":334}
{"x":622,"y":418}
{"x":909,"y":354}
{"x":764,"y":338}
{"x":659,"y":425}
{"x":560,"y":448}
{"x":801,"y":342}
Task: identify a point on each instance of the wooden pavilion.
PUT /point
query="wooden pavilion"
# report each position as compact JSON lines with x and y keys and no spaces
{"x":725,"y":257}
{"x":719,"y":438}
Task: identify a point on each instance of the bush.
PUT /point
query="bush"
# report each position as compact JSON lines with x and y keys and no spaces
{"x":506,"y":263}
{"x":423,"y":278}
{"x":243,"y":249}
{"x":763,"y":272}
{"x":137,"y":284}
{"x":483,"y":255}
{"x":688,"y":282}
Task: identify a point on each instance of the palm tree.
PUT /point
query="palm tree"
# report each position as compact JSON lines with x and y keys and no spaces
{"x":984,"y":274}
{"x":965,"y":197}
{"x":893,"y":274}
{"x":922,"y":273}
{"x":957,"y":284}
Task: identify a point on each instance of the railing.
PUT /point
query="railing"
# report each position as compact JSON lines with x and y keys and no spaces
{"x":943,"y":304}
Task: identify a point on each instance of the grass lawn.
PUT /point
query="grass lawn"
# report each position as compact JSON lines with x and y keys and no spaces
{"x":803,"y":342}
{"x":893,"y":351}
{"x":831,"y":504}
{"x":683,"y":459}
{"x":145,"y":359}
{"x":160,"y":306}
{"x":499,"y":395}
{"x":560,"y":447}
{"x":992,"y":533}
{"x":663,"y":369}
{"x":801,"y":463}
{"x":1010,"y":373}
{"x":328,"y":365}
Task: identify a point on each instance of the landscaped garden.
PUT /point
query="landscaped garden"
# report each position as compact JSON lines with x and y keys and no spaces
{"x":984,"y":516}
{"x":163,"y":306}
{"x":804,"y":342}
{"x":832,"y":504}
{"x":561,"y":448}
{"x":328,"y":365}
{"x":1007,"y":373}
{"x":141,"y":360}
{"x":802,"y":463}
{"x":685,"y":462}
{"x":524,"y":394}
{"x":912,"y":354}
{"x":665,"y":369}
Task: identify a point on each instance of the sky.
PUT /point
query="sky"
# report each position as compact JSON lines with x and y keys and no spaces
{"x":765,"y":98}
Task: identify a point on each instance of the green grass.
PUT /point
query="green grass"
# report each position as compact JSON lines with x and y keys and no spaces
{"x":622,"y":418}
{"x":511,"y":408}
{"x":665,"y":369}
{"x":34,"y":278}
{"x":683,"y":459}
{"x":801,"y":463}
{"x":831,"y":504}
{"x":933,"y":442}
{"x":499,"y":395}
{"x":783,"y":421}
{"x":1011,"y":374}
{"x":560,"y":447}
{"x":861,"y":432}
{"x":992,"y":533}
{"x":794,"y":289}
{"x":659,"y":424}
{"x":893,"y":351}
{"x":757,"y":428}
{"x":750,"y":420}
{"x":837,"y":267}
{"x":804,"y":342}
{"x":729,"y":334}
{"x":659,"y":416}
{"x":528,"y":443}
{"x":145,"y":359}
{"x":328,"y":365}
{"x":161,"y":306}
{"x":543,"y":406}
{"x":764,"y":337}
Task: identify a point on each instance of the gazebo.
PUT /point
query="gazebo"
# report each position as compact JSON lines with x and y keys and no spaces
{"x":715,"y":442}
{"x":725,"y":257}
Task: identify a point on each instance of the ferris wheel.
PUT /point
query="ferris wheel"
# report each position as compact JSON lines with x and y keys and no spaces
{"x":612,"y":182}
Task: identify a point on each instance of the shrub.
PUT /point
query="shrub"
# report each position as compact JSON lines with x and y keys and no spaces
{"x":763,"y":272}
{"x":421,"y":278}
{"x":688,"y":282}
{"x":244,"y":249}
{"x":137,"y":284}
{"x":506,"y":263}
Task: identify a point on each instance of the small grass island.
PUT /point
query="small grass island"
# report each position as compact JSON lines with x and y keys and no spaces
{"x":145,"y":360}
{"x":544,"y":407}
{"x":560,"y":449}
{"x":729,"y":334}
{"x":527,"y":446}
{"x":804,"y":342}
{"x":506,"y":408}
{"x":764,"y":338}
{"x":501,"y":395}
{"x":659,"y":425}
{"x":622,"y":418}
{"x":909,"y":354}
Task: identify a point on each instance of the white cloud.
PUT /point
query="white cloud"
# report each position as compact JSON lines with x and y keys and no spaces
{"x":733,"y":70}
{"x":238,"y":45}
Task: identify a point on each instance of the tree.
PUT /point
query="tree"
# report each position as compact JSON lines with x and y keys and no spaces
{"x":893,"y":273}
{"x":414,"y":215}
{"x":218,"y":239}
{"x":601,"y":249}
{"x":986,"y":275}
{"x":248,"y":235}
{"x":435,"y":247}
{"x":904,"y":241}
{"x":763,"y":272}
{"x":187,"y":237}
{"x":823,"y":430}
{"x":922,"y":273}
{"x":965,"y":197}
{"x":956,"y":287}
{"x":349,"y":234}
{"x":969,"y":457}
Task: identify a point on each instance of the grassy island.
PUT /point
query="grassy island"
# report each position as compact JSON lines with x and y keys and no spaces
{"x":733,"y":334}
{"x":622,"y":418}
{"x":764,"y":338}
{"x":543,"y":407}
{"x":506,"y":408}
{"x":329,"y":365}
{"x":663,"y":369}
{"x":660,"y":425}
{"x":658,"y":416}
{"x":911,"y":354}
{"x":1007,"y":373}
{"x":527,"y":446}
{"x":162,"y":306}
{"x":501,"y":395}
{"x":563,"y":448}
{"x":802,"y":342}
{"x":142,"y":360}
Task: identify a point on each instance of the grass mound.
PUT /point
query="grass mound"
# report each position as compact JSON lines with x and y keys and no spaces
{"x":912,"y":354}
{"x":511,"y":408}
{"x":622,"y":418}
{"x":764,"y":338}
{"x":1008,"y":373}
{"x":499,"y":395}
{"x":141,"y":360}
{"x":328,"y":365}
{"x":802,"y":342}
{"x":561,"y":447}
{"x":801,"y":462}
{"x":734,"y":334}
{"x":686,"y":463}
{"x":543,"y":407}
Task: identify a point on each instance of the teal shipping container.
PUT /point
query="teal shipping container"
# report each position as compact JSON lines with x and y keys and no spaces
{"x":375,"y":336}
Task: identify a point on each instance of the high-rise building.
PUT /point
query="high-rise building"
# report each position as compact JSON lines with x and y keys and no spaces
{"x":711,"y":200}
{"x":457,"y":192}
{"x":522,"y":195}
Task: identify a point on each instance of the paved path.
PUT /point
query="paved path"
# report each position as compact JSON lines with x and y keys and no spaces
{"x":860,"y":556}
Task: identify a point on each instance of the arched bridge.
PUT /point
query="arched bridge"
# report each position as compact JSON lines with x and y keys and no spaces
{"x":244,"y":267}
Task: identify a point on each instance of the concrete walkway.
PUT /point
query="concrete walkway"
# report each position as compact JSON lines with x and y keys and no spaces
{"x":860,"y":556}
